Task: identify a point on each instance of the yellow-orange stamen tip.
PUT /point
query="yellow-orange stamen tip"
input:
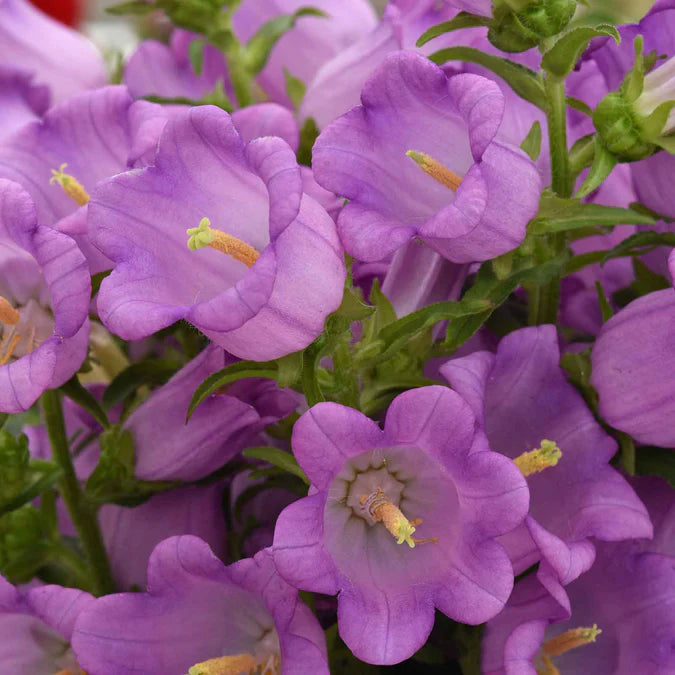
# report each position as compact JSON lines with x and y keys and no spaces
{"x":203,"y":236}
{"x":546,"y":455}
{"x":381,"y":510}
{"x":225,"y":665}
{"x":435,"y":169}
{"x":571,"y":639}
{"x":71,"y":186}
{"x":8,"y":315}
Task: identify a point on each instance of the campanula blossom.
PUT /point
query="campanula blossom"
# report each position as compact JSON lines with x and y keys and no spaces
{"x":200,"y":617}
{"x":419,"y":159}
{"x":217,"y":232}
{"x":400,"y":521}
{"x":44,"y":302}
{"x":531,"y":413}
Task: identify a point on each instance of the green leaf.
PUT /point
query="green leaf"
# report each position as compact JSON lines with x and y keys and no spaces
{"x":525,"y":82}
{"x":563,"y":56}
{"x":462,"y":20}
{"x":135,"y":7}
{"x":236,"y":371}
{"x":258,"y":49}
{"x":74,"y":390}
{"x":532,"y":143}
{"x":289,"y":369}
{"x":308,"y":135}
{"x":196,"y":54}
{"x":640,"y":243}
{"x":560,"y":215}
{"x":653,"y":461}
{"x":605,"y":308}
{"x":353,"y":308}
{"x":3,"y":419}
{"x":151,"y":372}
{"x":279,"y":458}
{"x":603,"y":164}
{"x":580,"y":106}
{"x":295,"y":88}
{"x":310,"y":364}
{"x":40,"y":476}
{"x":383,"y":390}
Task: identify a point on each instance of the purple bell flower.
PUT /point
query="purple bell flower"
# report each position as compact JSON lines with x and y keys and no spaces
{"x":419,"y":158}
{"x":44,"y":301}
{"x":200,"y":617}
{"x":633,"y":369}
{"x":530,"y":413}
{"x":59,"y":57}
{"x":621,"y":616}
{"x":428,"y":474}
{"x":260,"y":283}
{"x":36,"y":626}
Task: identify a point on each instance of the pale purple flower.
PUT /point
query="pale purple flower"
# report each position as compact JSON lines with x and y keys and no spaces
{"x":458,"y":199}
{"x":369,"y":488}
{"x":634,"y":369}
{"x":625,"y":605}
{"x":89,"y":137}
{"x":524,"y":403}
{"x":286,"y":272}
{"x":197,"y":610}
{"x":36,"y":627}
{"x":59,"y":57}
{"x":44,"y":301}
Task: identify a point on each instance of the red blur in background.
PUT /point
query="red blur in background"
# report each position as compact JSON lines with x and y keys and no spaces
{"x":67,"y":11}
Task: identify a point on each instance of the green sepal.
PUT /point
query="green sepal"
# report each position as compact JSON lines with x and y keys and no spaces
{"x":532,"y":142}
{"x":563,"y":56}
{"x":149,"y":372}
{"x":309,"y":132}
{"x":462,"y":20}
{"x":295,"y":88}
{"x":196,"y":54}
{"x":525,"y":82}
{"x":561,"y":215}
{"x":74,"y":390}
{"x":605,"y":307}
{"x":603,"y":164}
{"x":279,"y":458}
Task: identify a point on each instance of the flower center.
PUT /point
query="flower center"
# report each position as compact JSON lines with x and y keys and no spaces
{"x":381,"y":510}
{"x":546,"y":455}
{"x":22,"y":331}
{"x":563,"y":643}
{"x":71,"y":186}
{"x":204,"y":235}
{"x":240,"y":664}
{"x":435,"y":169}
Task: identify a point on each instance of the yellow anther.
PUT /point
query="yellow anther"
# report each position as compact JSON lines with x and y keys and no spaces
{"x":225,"y":665}
{"x":8,"y":315}
{"x":435,"y":169}
{"x":381,"y":510}
{"x":240,"y":664}
{"x":534,"y":461}
{"x":204,"y":235}
{"x":7,"y":348}
{"x":71,"y":186}
{"x":570,"y":639}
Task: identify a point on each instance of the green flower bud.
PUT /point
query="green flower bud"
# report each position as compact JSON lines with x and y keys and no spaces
{"x":517,"y":28}
{"x":637,"y":120}
{"x":14,"y":458}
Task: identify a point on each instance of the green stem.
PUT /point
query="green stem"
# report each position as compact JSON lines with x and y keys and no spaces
{"x":544,"y":300}
{"x":627,"y":453}
{"x":81,"y":513}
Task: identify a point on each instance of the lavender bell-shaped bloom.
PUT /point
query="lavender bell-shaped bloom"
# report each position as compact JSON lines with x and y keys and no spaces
{"x":36,"y":626}
{"x":634,"y":369}
{"x":61,"y":158}
{"x":21,"y":100}
{"x":622,"y":618}
{"x":419,"y":158}
{"x":59,"y":57}
{"x":427,"y":474}
{"x":530,"y":413}
{"x":44,"y":300}
{"x":260,"y":282}
{"x":200,"y":617}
